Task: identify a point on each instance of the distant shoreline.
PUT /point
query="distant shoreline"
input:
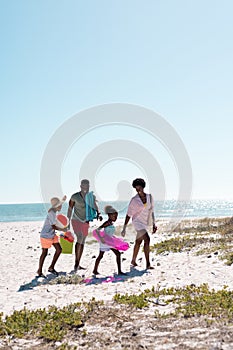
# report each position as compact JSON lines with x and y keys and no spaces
{"x":163,"y":210}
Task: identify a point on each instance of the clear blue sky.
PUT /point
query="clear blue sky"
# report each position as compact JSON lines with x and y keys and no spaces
{"x":60,"y":57}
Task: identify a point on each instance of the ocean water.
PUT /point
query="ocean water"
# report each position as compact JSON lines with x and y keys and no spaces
{"x":163,"y":209}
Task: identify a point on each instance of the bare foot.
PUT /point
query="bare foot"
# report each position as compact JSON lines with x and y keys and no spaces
{"x":150,"y":267}
{"x":133,"y":263}
{"x":122,"y":273}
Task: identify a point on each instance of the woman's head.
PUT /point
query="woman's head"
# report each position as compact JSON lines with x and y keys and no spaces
{"x":139,"y":185}
{"x":139,"y":182}
{"x":111,"y":212}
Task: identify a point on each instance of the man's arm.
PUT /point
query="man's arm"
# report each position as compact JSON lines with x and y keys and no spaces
{"x":70,"y":208}
{"x":99,"y":217}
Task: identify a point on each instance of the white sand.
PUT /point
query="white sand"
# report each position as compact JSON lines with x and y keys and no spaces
{"x":19,"y":257}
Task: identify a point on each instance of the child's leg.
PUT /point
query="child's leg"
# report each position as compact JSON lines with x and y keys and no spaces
{"x":42,"y":259}
{"x":118,"y":260}
{"x":95,"y":271}
{"x":56,"y":255}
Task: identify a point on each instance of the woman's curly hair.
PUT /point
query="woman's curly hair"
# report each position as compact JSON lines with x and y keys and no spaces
{"x":139,"y":182}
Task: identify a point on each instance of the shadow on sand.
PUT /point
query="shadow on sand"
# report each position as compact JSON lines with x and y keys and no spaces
{"x":38,"y":281}
{"x":71,"y":278}
{"x":115,"y":278}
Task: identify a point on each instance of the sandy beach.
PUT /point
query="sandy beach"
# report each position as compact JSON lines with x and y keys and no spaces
{"x":19,"y":256}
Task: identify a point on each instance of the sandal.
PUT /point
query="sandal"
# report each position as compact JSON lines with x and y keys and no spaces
{"x":76,"y":268}
{"x":53,"y":271}
{"x":41,"y":275}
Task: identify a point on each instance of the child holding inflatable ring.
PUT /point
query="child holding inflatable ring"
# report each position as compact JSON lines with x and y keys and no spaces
{"x":109,"y":229}
{"x":48,"y":236}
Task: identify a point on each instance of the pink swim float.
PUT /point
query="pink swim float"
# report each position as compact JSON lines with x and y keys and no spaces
{"x":113,"y":242}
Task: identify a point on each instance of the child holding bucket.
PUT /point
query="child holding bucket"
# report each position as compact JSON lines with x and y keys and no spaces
{"x":48,"y":236}
{"x":109,"y":229}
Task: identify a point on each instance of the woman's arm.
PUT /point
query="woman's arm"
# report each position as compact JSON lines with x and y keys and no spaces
{"x":127,"y":218}
{"x":152,"y":214}
{"x":153,"y":221}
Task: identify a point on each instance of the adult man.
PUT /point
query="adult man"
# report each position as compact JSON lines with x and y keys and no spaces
{"x":84,"y":207}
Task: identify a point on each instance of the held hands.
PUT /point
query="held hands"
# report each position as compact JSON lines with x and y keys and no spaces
{"x":59,"y":228}
{"x":99,"y":217}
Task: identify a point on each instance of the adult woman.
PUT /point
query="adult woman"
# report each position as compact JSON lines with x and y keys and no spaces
{"x":140,"y":208}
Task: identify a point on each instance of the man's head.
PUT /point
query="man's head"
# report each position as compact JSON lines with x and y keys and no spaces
{"x":85,"y":185}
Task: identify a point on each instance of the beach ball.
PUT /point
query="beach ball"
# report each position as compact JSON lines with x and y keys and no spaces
{"x":62,"y":221}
